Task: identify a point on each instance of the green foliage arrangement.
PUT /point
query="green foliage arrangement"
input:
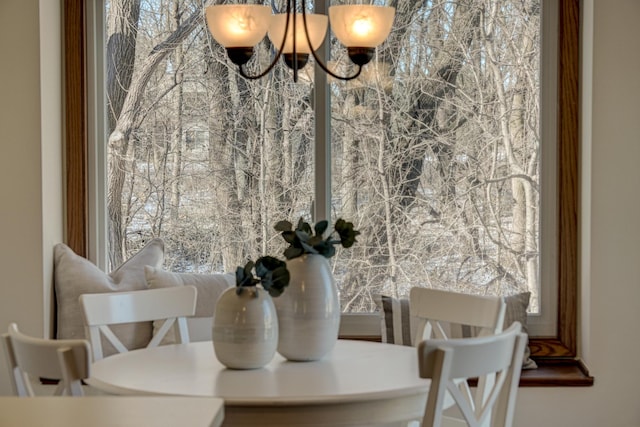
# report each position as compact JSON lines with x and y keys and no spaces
{"x":272,"y":274}
{"x":307,"y":240}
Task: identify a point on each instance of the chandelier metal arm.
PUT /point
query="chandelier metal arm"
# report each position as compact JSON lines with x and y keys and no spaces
{"x":240,"y":27}
{"x":358,"y":56}
{"x":318,"y":60}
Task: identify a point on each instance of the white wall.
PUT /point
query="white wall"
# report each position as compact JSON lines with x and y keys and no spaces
{"x":31,"y":212}
{"x":30,"y":163}
{"x":611,"y":252}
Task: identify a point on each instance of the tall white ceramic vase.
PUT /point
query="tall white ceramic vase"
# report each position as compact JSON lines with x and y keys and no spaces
{"x":308,"y":310}
{"x":245,"y":328}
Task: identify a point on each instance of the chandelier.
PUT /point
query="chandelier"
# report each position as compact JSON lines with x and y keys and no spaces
{"x":239,"y":27}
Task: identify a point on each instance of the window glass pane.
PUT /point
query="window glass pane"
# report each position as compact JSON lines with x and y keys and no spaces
{"x":435,"y":154}
{"x":435,"y":148}
{"x":207,"y":160}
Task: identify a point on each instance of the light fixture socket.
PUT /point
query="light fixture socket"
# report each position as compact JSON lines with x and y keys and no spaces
{"x":239,"y":55}
{"x":301,"y":58}
{"x":360,"y":55}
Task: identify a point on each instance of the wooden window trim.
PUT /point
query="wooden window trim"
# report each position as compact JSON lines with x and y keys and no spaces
{"x":558,"y":350}
{"x":564,"y":345}
{"x":76,"y":136}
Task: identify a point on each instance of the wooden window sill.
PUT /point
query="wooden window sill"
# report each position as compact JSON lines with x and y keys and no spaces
{"x":557,"y":372}
{"x":551,"y":372}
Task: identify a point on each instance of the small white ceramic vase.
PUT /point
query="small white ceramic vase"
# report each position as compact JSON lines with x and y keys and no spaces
{"x":245,"y":328}
{"x":308,"y":310}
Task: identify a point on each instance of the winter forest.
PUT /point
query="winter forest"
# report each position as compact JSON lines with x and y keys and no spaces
{"x":435,"y":148}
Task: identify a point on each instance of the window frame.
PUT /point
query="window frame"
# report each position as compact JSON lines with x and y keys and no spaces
{"x":562,"y":345}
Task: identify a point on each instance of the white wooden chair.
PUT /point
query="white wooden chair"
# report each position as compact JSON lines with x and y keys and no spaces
{"x":31,"y":358}
{"x":448,"y":363}
{"x":437,"y":313}
{"x":102,"y":310}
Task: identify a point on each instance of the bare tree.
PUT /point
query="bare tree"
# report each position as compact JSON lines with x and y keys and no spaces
{"x":128,"y":111}
{"x":435,"y":150}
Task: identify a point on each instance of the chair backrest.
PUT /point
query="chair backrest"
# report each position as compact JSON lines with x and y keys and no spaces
{"x":439,"y":312}
{"x":449,"y":363}
{"x":435,"y":310}
{"x":30,"y":358}
{"x":102,"y":310}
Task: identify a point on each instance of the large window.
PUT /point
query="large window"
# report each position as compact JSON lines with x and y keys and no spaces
{"x":435,"y":151}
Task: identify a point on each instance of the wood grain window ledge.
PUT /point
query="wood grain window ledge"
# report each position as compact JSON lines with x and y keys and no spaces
{"x":558,"y":372}
{"x":551,"y":371}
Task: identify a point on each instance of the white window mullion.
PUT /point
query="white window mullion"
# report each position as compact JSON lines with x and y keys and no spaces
{"x":322,"y":105}
{"x":97,"y":146}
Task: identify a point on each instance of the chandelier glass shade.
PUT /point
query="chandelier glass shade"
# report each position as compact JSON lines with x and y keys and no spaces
{"x":296,"y":35}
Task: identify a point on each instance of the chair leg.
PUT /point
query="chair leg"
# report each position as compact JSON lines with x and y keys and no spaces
{"x":60,"y":389}
{"x":72,"y":385}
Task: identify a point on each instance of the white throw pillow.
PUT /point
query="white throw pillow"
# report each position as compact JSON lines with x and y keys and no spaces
{"x":75,"y":275}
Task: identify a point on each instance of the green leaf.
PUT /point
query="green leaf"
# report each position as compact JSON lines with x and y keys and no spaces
{"x":321,"y":227}
{"x":308,"y":248}
{"x":281,"y":276}
{"x":261,"y":269}
{"x":267,"y":264}
{"x":326,"y":249}
{"x":292,"y":252}
{"x":283,"y":226}
{"x":244,"y":275}
{"x":289,"y":236}
{"x":304,"y":239}
{"x":346,"y":232}
{"x":315,"y":241}
{"x":271,"y":271}
{"x":239,"y":275}
{"x":304,"y":226}
{"x":303,"y":235}
{"x":278,"y":280}
{"x":248,"y":267}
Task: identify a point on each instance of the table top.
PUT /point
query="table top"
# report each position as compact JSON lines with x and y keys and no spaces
{"x":353,"y":371}
{"x":111,"y":411}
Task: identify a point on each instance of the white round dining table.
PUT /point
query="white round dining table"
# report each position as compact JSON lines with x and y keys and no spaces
{"x":359,"y":383}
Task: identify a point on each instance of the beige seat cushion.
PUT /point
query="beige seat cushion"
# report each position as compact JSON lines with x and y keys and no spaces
{"x":75,"y":275}
{"x":209,"y":287}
